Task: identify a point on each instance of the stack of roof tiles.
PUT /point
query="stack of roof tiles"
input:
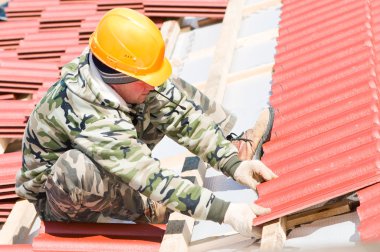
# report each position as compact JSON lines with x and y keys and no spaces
{"x":174,"y":8}
{"x":325,"y":136}
{"x":14,"y":116}
{"x":55,"y":236}
{"x":55,"y":31}
{"x":21,"y":77}
{"x":10,"y":163}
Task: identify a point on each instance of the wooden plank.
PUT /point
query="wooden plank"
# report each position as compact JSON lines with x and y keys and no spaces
{"x":322,"y":212}
{"x":274,"y":232}
{"x":208,"y":21}
{"x":227,"y":242}
{"x":257,"y":38}
{"x":241,"y":75}
{"x":217,"y":80}
{"x":179,"y":228}
{"x":18,"y":223}
{"x":274,"y":235}
{"x":178,"y":233}
{"x":261,"y":6}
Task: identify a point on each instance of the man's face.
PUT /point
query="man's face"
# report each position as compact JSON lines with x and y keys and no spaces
{"x":134,"y":92}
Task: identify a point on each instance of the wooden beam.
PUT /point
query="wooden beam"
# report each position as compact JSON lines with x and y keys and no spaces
{"x":322,"y":212}
{"x":257,"y":38}
{"x":194,"y":170}
{"x":18,"y":224}
{"x":274,"y":235}
{"x":208,"y":21}
{"x":249,"y":73}
{"x":241,"y":75}
{"x":228,"y":242}
{"x":178,"y":233}
{"x":216,"y":82}
{"x":180,"y":227}
{"x":260,"y":6}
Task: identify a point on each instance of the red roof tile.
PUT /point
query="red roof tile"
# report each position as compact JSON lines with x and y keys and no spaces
{"x":98,"y":237}
{"x":369,"y":209}
{"x":325,"y":134}
{"x":16,"y":248}
{"x":369,"y":213}
{"x":10,"y":163}
{"x":174,"y":8}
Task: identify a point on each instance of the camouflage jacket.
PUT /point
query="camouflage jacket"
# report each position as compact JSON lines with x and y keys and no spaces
{"x":74,"y":114}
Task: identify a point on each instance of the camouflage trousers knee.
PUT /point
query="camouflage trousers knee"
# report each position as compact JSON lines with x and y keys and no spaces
{"x":77,"y":190}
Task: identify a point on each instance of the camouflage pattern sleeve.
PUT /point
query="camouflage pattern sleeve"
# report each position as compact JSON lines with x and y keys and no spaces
{"x":220,"y":115}
{"x":189,"y":126}
{"x":113,"y":144}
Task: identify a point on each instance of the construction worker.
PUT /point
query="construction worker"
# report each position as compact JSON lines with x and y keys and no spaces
{"x":87,"y":145}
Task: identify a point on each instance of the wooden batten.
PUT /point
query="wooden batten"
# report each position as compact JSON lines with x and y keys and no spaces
{"x":18,"y":224}
{"x":180,"y":227}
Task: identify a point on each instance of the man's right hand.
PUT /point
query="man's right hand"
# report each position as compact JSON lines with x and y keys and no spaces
{"x":240,"y":216}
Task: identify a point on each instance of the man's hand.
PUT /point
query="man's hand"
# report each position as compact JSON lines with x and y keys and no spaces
{"x":252,"y":172}
{"x":240,"y":216}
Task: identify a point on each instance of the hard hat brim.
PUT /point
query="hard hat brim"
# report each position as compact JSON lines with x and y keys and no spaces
{"x":158,"y":77}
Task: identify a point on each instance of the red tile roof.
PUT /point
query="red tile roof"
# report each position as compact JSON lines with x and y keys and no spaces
{"x":16,"y":248}
{"x":369,"y":210}
{"x":369,"y":213}
{"x":325,"y":135}
{"x":10,"y":163}
{"x":172,"y":8}
{"x":55,"y":236}
{"x":6,"y":206}
{"x":98,"y":237}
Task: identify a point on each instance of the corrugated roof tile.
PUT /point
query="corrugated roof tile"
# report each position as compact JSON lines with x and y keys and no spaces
{"x":325,"y":134}
{"x":55,"y":236}
{"x":369,"y":209}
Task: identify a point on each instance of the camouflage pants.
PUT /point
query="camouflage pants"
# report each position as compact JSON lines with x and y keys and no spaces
{"x":77,"y":190}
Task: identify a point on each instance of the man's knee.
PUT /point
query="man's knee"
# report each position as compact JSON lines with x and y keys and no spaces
{"x":74,"y":170}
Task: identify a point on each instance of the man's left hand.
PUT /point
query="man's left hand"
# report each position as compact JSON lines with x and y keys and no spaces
{"x":251,"y":172}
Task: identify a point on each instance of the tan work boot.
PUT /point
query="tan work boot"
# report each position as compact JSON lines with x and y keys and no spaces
{"x":160,"y":214}
{"x":249,"y":143}
{"x":154,"y":213}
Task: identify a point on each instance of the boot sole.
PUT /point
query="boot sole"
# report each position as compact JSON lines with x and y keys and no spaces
{"x":266,"y":136}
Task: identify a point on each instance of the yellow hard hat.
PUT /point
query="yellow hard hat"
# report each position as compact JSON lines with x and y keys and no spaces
{"x":131,"y":43}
